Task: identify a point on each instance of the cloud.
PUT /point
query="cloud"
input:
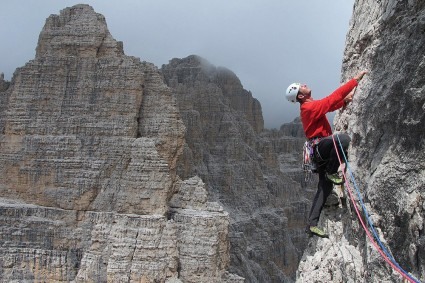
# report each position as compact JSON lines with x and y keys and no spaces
{"x":267,"y":44}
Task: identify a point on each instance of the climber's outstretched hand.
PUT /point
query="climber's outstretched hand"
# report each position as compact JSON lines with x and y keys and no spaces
{"x":359,"y":77}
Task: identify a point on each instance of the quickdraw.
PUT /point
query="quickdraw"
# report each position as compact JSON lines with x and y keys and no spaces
{"x":309,"y":166}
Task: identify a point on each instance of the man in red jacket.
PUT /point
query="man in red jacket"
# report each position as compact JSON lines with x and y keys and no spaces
{"x":319,"y":133}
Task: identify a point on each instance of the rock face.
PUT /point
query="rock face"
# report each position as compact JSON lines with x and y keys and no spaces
{"x":90,"y":140}
{"x":254,"y":173}
{"x":387,"y":124}
{"x":3,"y":84}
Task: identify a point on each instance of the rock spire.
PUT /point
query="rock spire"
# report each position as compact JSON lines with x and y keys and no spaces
{"x":90,"y":139}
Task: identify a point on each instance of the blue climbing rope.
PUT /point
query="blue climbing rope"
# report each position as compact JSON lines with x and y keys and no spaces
{"x":390,"y":257}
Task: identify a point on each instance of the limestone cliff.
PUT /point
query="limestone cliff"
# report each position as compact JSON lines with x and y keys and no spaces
{"x":387,"y":124}
{"x":89,"y":143}
{"x":254,"y":173}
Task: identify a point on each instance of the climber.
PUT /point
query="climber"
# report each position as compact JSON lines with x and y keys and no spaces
{"x":319,"y":133}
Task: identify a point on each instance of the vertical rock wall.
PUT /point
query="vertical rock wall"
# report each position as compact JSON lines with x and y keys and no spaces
{"x":89,"y":142}
{"x":255,"y":174}
{"x":387,"y":125}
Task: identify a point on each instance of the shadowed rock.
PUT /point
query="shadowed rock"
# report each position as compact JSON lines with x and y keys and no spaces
{"x":254,"y":173}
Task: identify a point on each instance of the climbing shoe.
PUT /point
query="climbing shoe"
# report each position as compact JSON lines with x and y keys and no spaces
{"x":314,"y":230}
{"x":335,"y":178}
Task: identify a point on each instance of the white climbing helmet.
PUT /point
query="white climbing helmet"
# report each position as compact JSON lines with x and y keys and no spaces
{"x":292,"y":91}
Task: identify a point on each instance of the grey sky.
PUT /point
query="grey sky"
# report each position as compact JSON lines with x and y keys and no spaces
{"x":268,"y":44}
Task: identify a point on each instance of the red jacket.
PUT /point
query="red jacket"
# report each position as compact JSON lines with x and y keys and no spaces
{"x":313,"y":113}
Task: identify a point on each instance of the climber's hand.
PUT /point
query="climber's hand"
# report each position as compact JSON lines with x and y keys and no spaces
{"x":359,"y":77}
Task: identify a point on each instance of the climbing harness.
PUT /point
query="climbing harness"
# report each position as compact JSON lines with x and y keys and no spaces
{"x":381,"y":249}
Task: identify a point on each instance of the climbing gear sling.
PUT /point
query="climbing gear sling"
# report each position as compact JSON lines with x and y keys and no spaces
{"x":308,"y":166}
{"x":310,"y":158}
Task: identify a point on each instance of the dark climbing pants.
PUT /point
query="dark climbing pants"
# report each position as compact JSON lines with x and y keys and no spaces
{"x":328,"y":154}
{"x":329,"y":163}
{"x":324,"y":189}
